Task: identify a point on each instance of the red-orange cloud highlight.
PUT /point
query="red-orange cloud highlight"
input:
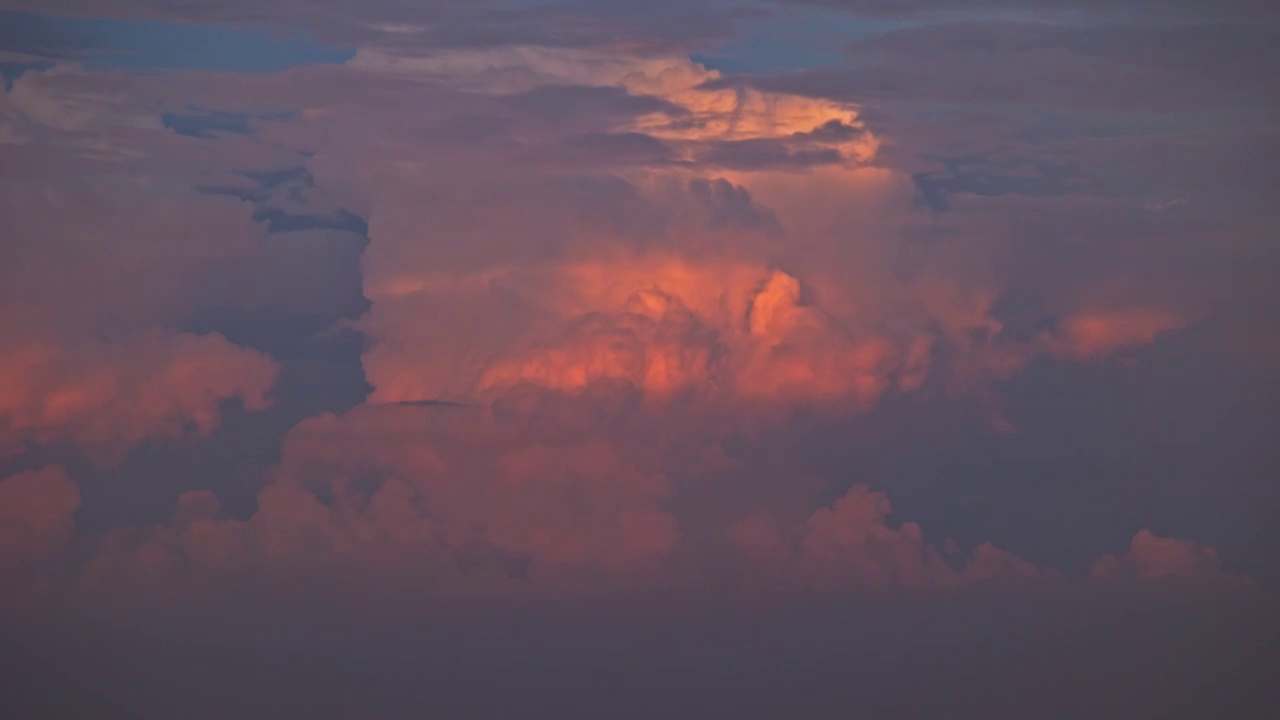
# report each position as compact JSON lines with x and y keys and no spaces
{"x":107,"y":397}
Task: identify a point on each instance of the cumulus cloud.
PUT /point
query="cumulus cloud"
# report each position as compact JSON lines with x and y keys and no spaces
{"x":456,"y":488}
{"x":97,"y":274}
{"x":592,"y":268}
{"x":104,"y":398}
{"x":757,"y":342}
{"x":799,"y":305}
{"x":559,"y":342}
{"x":852,"y":545}
{"x":1151,"y":557}
{"x":114,"y":248}
{"x":648,"y":339}
{"x":520,"y":498}
{"x":723,"y":331}
{"x":1089,"y":336}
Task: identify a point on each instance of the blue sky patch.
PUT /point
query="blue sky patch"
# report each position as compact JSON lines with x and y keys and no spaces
{"x":207,"y":125}
{"x":792,"y":41}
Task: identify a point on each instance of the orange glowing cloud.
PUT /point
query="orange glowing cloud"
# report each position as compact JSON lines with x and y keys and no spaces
{"x":718,"y":330}
{"x":569,"y":319}
{"x":687,"y":317}
{"x":104,"y":398}
{"x":670,"y":327}
{"x":794,"y":303}
{"x":530,"y":322}
{"x":697,"y":112}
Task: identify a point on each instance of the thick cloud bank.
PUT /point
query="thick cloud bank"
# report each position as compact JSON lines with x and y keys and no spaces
{"x":840,"y":356}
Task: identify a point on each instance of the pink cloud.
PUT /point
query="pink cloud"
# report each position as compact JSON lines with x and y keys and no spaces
{"x":106,"y":397}
{"x":1151,"y":557}
{"x":852,"y":545}
{"x":522,"y":497}
{"x":110,"y":244}
{"x":1088,"y":336}
{"x":851,"y":542}
{"x":601,"y":315}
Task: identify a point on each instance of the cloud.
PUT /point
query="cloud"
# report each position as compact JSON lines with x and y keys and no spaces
{"x":502,"y":305}
{"x":36,"y":515}
{"x":577,"y":504}
{"x":1151,"y":557}
{"x":651,"y":351}
{"x":144,"y":255}
{"x":111,"y":248}
{"x":125,"y":256}
{"x":861,"y":330}
{"x":725,"y":332}
{"x":570,"y":304}
{"x":749,"y":340}
{"x":105,"y":398}
{"x":666,"y":96}
{"x":523,"y":498}
{"x":851,"y":546}
{"x":1088,"y":336}
{"x":614,"y":297}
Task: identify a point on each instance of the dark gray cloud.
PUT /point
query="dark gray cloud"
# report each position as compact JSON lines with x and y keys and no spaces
{"x":731,"y":206}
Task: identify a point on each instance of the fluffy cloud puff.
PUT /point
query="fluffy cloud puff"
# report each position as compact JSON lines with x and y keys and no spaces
{"x":106,"y":397}
{"x":723,"y":332}
{"x":852,"y":545}
{"x":521,"y":497}
{"x":541,"y":326}
{"x":609,"y":276}
{"x":1152,"y":557}
{"x":111,"y":246}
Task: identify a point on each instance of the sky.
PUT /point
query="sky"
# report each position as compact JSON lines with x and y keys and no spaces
{"x":598,"y":359}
